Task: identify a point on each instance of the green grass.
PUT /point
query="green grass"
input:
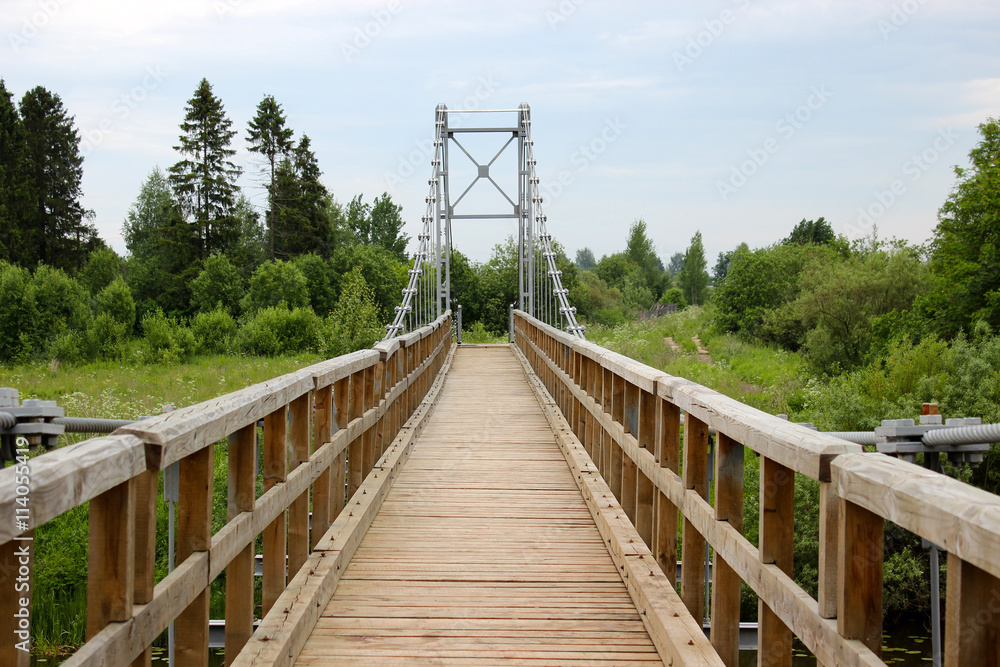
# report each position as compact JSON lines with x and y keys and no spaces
{"x":109,"y":390}
{"x":761,"y":376}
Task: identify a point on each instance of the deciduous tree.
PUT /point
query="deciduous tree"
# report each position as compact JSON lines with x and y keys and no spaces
{"x":693,"y":279}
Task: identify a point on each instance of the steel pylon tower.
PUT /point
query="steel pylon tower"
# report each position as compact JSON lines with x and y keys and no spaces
{"x":540,"y":290}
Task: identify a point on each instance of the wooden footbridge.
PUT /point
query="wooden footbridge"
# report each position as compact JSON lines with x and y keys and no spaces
{"x":517,"y":504}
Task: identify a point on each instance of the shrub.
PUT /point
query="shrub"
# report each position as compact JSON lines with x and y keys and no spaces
{"x":675,"y":296}
{"x":213,"y":331}
{"x":355,"y":323}
{"x":165,"y":340}
{"x":318,"y":274}
{"x":17,"y":313}
{"x":103,"y":266}
{"x":61,"y":302}
{"x":116,"y":300}
{"x":106,"y":337}
{"x":274,"y":283}
{"x":218,"y":284}
{"x":278,"y":330}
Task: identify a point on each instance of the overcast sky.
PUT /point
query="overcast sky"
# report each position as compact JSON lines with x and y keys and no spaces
{"x":734,"y":117}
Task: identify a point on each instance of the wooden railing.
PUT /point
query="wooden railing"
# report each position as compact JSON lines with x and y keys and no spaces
{"x":628,"y":417}
{"x":323,"y":425}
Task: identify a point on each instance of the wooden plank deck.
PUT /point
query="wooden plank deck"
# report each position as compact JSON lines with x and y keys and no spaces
{"x":484,"y":551}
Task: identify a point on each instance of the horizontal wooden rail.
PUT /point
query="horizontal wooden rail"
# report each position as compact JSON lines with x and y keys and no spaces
{"x":627,"y":417}
{"x":318,"y":422}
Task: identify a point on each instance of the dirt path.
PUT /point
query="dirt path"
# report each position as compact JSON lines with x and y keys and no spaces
{"x":703,"y":354}
{"x":669,"y":342}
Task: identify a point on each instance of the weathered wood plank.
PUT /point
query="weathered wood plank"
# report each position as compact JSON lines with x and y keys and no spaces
{"x":972,"y":616}
{"x":300,"y":435}
{"x":859,"y":601}
{"x":725,"y":582}
{"x":777,"y":541}
{"x":239,"y":572}
{"x":70,"y":476}
{"x":959,"y":518}
{"x":173,"y":435}
{"x":111,"y":557}
{"x":194,"y":534}
{"x":144,"y":577}
{"x":275,"y":468}
{"x":692,"y":541}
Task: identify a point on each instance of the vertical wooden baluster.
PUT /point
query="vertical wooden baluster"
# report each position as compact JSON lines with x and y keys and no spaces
{"x":355,"y":451}
{"x":693,"y":543}
{"x":322,"y":487}
{"x":972,"y":616}
{"x":145,"y":548}
{"x":646,"y":492}
{"x":594,"y":390}
{"x":372,"y":385}
{"x":668,"y":454}
{"x":338,"y":483}
{"x":411,"y":389}
{"x":859,"y":588}
{"x":384,"y":434}
{"x":777,"y":519}
{"x":580,"y":425}
{"x":194,"y":534}
{"x":111,"y":558}
{"x":298,"y":511}
{"x":725,"y":582}
{"x":630,"y":471}
{"x":12,"y":557}
{"x":239,"y":573}
{"x":829,"y":540}
{"x":608,"y":445}
{"x":584,"y":432}
{"x":617,"y":455}
{"x":275,"y":472}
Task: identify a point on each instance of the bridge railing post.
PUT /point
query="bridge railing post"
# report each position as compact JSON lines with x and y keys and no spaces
{"x":240,"y":571}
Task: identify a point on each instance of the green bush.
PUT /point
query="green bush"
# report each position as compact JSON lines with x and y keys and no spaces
{"x":17,"y":313}
{"x":274,"y":283}
{"x":61,"y":302}
{"x":675,"y":296}
{"x":278,"y":330}
{"x":106,"y":338}
{"x":218,"y":284}
{"x":165,"y":340}
{"x":116,"y":300}
{"x":103,"y":266}
{"x":214,"y":330}
{"x":318,"y":274}
{"x":354,"y":324}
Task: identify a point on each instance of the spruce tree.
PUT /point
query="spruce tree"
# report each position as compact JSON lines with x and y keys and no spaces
{"x":302,"y":220}
{"x":15,"y":238}
{"x":268,"y":136}
{"x":205,"y":182}
{"x":56,"y":223}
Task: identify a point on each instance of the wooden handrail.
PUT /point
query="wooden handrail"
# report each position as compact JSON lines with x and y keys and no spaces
{"x":357,"y":403}
{"x":627,"y":416}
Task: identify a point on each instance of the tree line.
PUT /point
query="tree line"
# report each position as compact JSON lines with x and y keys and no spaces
{"x":197,"y":247}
